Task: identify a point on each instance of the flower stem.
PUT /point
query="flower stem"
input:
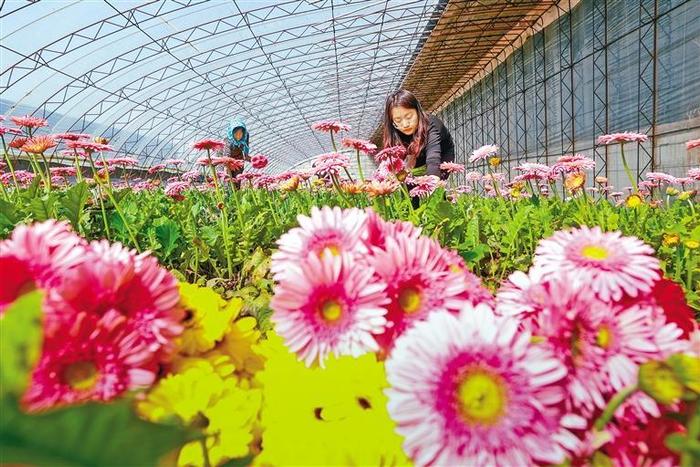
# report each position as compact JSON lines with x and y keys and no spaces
{"x":224,"y":218}
{"x":359,"y":165}
{"x":613,"y":405}
{"x":627,"y":168}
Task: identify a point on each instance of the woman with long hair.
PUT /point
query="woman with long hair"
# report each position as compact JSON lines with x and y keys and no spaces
{"x":427,"y":141}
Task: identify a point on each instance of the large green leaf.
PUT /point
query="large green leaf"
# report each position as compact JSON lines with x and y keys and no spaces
{"x":91,"y":434}
{"x":20,"y":341}
{"x":43,"y":207}
{"x":73,"y":203}
{"x":9,"y":214}
{"x":168,"y":234}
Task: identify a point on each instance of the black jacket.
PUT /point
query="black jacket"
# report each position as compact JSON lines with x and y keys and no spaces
{"x":438,"y":149}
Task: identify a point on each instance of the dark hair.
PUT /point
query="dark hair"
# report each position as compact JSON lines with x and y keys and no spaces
{"x":406,"y":99}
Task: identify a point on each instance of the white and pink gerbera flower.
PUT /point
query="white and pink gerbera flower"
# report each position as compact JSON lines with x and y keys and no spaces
{"x":329,"y":304}
{"x":325,"y":229}
{"x":417,"y":282}
{"x":470,"y":389}
{"x":522,"y":296}
{"x":601,"y":344}
{"x":607,"y":262}
{"x":114,"y":278}
{"x":483,"y":153}
{"x":37,"y":255}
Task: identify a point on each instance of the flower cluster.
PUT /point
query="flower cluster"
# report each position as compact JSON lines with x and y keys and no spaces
{"x":109,"y":314}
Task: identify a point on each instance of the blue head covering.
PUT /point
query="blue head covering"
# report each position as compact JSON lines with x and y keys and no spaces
{"x":233,"y":125}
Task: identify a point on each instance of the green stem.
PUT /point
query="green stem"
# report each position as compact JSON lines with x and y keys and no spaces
{"x":335,"y":148}
{"x":48,"y":172}
{"x":627,"y":168}
{"x":359,"y":165}
{"x":205,"y":452}
{"x":9,"y":162}
{"x":613,"y":405}
{"x":224,"y":218}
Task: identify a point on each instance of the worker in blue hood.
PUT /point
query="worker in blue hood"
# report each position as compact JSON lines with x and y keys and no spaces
{"x":237,"y":140}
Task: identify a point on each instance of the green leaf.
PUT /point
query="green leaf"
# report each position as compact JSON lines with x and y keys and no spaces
{"x":43,"y":208}
{"x":91,"y":434}
{"x":8,"y":213}
{"x":20,"y":341}
{"x":168,"y":233}
{"x":73,"y":203}
{"x":676,"y":442}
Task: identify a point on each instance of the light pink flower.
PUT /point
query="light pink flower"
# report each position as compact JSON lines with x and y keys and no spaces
{"x":417,"y":282}
{"x":423,"y":186}
{"x":694,"y":173}
{"x":365,"y":147}
{"x":692,"y":144}
{"x":329,"y":304}
{"x":473,"y":176}
{"x":470,"y":389}
{"x":71,"y":136}
{"x":37,"y":255}
{"x":658,"y":177}
{"x":606,"y":262}
{"x":29,"y":122}
{"x":176,"y":189}
{"x":391,"y":152}
{"x":625,"y":137}
{"x":483,"y":153}
{"x":326,"y":229}
{"x":209,"y":144}
{"x":452,"y":168}
{"x":88,"y":146}
{"x":13,"y":131}
{"x":330,"y":126}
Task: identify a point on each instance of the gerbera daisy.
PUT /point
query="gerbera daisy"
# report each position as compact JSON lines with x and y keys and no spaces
{"x":13,"y":131}
{"x":37,"y":255}
{"x":228,"y":162}
{"x":176,"y":188}
{"x":694,"y":173}
{"x":376,"y":188}
{"x":451,"y":167}
{"x":692,"y":144}
{"x":365,"y":147}
{"x":624,"y":137}
{"x":424,"y":186}
{"x":601,"y":344}
{"x":326,"y":229}
{"x":470,"y":389}
{"x":92,"y":359}
{"x":209,"y":144}
{"x":330,"y":126}
{"x":30,"y":122}
{"x":329,"y":304}
{"x":112,"y":277}
{"x":71,"y":136}
{"x":417,"y":282}
{"x":259,"y":161}
{"x":391,"y":152}
{"x":89,"y":146}
{"x":473,"y":176}
{"x":607,"y":262}
{"x":378,"y":230}
{"x":659,"y":177}
{"x":483,"y":153}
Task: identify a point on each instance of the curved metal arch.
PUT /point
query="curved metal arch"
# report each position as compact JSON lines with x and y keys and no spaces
{"x":210,"y":109}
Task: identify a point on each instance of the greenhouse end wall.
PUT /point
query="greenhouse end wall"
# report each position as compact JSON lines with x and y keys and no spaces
{"x":603,"y":66}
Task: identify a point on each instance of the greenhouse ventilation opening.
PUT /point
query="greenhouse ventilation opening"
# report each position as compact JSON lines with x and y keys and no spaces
{"x":350,"y":232}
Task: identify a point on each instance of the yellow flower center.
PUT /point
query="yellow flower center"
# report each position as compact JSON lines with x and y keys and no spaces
{"x":410,"y":299}
{"x":482,"y":397}
{"x":604,"y":338}
{"x":331,"y":310}
{"x":633,"y":201}
{"x":595,"y":252}
{"x":81,"y":376}
{"x":332,"y":249}
{"x":495,"y":161}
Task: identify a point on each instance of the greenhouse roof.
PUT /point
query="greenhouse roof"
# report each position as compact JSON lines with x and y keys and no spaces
{"x":153,"y":77}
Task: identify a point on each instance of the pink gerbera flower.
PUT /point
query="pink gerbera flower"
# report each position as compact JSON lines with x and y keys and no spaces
{"x":176,"y":189}
{"x":378,"y":230}
{"x":154,"y":169}
{"x":473,"y":176}
{"x":470,"y":389}
{"x":522,"y":296}
{"x":13,"y":131}
{"x":329,"y":304}
{"x":173,"y":162}
{"x":259,"y":161}
{"x":483,"y":153}
{"x":112,"y":277}
{"x":71,"y":136}
{"x":38,"y":144}
{"x":326,"y":229}
{"x":209,"y":144}
{"x":452,"y":168}
{"x":365,"y":147}
{"x":624,"y":137}
{"x":89,"y":146}
{"x":392,"y":165}
{"x":692,"y":144}
{"x":228,"y":162}
{"x":607,"y":262}
{"x":91,"y":359}
{"x":30,"y":122}
{"x":37,"y":255}
{"x":417,"y":282}
{"x":424,"y":186}
{"x":122,"y":162}
{"x":571,"y":163}
{"x":191,"y":176}
{"x":658,"y":177}
{"x":63,"y":171}
{"x":601,"y":344}
{"x":391,"y":152}
{"x":330,"y":126}
{"x":694,"y":173}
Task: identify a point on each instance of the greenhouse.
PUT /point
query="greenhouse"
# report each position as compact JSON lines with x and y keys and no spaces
{"x":350,"y":232}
